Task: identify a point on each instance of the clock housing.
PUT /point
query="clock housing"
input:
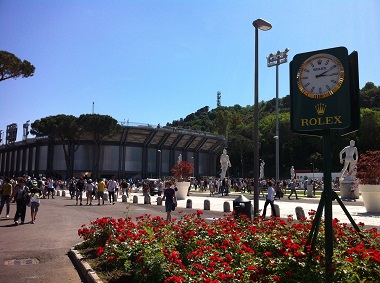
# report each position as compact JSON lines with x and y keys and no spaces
{"x":320,"y":91}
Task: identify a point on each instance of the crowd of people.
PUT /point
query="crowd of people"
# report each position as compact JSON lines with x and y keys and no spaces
{"x":28,"y":192}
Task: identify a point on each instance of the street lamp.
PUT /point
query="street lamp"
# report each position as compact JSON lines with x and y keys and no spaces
{"x":193,"y":166}
{"x":264,"y":26}
{"x":313,"y":169}
{"x":159,"y":164}
{"x":276,"y":60}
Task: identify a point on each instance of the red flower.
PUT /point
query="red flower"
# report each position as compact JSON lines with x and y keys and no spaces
{"x":99,"y":251}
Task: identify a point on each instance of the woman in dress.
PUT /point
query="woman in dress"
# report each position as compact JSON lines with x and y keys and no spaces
{"x":170,"y":200}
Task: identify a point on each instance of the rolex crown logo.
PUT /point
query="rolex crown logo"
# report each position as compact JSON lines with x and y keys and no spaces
{"x":319,"y":62}
{"x":320,"y":107}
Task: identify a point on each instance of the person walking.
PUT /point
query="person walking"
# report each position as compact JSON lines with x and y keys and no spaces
{"x":21,"y":194}
{"x":72,"y":187}
{"x":170,"y":200}
{"x":79,"y":190}
{"x":269,"y":200}
{"x":6,"y":196}
{"x":292,"y":189}
{"x":278,"y":190}
{"x":111,"y":189}
{"x":89,"y":190}
{"x":100,"y":193}
{"x":34,"y":202}
{"x":50,"y":188}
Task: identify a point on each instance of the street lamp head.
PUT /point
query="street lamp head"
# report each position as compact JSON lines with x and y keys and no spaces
{"x":262,"y":24}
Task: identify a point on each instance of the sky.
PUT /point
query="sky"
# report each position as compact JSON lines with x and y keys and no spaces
{"x":155,"y":61}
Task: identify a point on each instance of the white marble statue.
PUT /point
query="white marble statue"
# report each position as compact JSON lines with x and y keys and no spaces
{"x":262,"y":164}
{"x":224,"y":163}
{"x":351,"y":157}
{"x":292,"y":174}
{"x":179,"y":158}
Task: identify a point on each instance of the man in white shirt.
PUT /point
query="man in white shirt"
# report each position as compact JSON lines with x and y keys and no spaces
{"x":270,"y":200}
{"x":111,"y":189}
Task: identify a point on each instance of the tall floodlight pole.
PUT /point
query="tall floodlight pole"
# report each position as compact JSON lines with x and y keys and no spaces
{"x":276,"y":60}
{"x":264,"y":26}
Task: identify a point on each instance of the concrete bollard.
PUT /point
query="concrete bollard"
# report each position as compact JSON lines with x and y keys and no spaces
{"x":300,"y":213}
{"x":277,"y":210}
{"x":159,"y":200}
{"x":147,"y":199}
{"x":226,"y":206}
{"x":63,"y":193}
{"x":124,"y":198}
{"x":105,"y":196}
{"x":135,"y":199}
{"x":206,"y":204}
{"x":189,"y":203}
{"x":58,"y":193}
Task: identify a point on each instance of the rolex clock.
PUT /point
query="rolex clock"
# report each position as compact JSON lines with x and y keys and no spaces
{"x":320,"y":90}
{"x":320,"y":76}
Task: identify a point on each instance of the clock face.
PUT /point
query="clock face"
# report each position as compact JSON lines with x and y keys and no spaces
{"x":320,"y":76}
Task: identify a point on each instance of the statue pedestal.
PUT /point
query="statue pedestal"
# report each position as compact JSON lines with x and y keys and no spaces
{"x":349,"y":189}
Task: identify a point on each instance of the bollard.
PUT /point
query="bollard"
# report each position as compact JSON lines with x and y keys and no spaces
{"x":277,"y":210}
{"x":159,"y":200}
{"x":309,"y":191}
{"x":206,"y":204}
{"x":63,"y":193}
{"x":147,"y":199}
{"x":300,"y":213}
{"x":124,"y":198}
{"x":105,"y":196}
{"x":189,"y":203}
{"x":58,"y":193}
{"x":226,"y":206}
{"x":135,"y":199}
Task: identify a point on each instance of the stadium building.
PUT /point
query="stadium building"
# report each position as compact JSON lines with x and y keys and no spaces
{"x":139,"y":151}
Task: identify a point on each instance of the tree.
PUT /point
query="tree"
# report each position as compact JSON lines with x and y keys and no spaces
{"x":64,"y":128}
{"x":12,"y":67}
{"x":100,"y":127}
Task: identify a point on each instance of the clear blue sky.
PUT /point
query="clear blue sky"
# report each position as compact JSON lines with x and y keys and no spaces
{"x":155,"y":61}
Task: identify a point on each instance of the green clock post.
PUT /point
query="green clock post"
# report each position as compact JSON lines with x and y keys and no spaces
{"x":324,"y":94}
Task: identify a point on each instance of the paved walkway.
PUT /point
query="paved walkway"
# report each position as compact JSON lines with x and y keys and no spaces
{"x":38,"y":252}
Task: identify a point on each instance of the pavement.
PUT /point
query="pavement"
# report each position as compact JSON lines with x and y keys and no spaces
{"x":39,"y":252}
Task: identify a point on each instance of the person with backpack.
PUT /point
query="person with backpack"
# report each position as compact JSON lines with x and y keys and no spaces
{"x":79,"y":190}
{"x":21,"y":193}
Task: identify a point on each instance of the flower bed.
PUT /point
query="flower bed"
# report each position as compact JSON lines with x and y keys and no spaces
{"x":226,"y":250}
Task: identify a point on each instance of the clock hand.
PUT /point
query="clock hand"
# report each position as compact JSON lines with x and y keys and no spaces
{"x":323,"y":74}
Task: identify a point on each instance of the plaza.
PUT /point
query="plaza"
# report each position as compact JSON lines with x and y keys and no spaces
{"x":55,"y":232}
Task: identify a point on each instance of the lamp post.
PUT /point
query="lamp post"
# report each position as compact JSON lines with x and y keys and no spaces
{"x":159,"y":164}
{"x":264,"y":26}
{"x":276,"y":60}
{"x":193,"y":166}
{"x":313,"y":169}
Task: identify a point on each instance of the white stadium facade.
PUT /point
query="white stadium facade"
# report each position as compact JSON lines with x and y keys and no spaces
{"x":141,"y":151}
